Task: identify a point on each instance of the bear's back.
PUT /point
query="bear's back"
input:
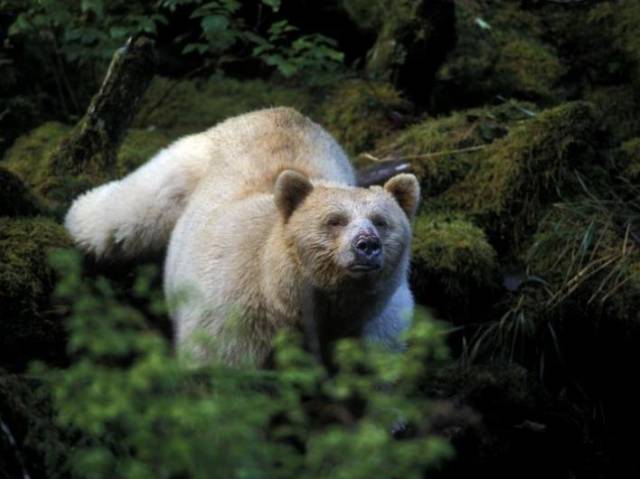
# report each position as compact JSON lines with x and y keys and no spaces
{"x":250,"y":151}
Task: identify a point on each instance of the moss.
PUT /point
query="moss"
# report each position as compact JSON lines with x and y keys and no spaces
{"x":443,"y":150}
{"x":529,"y":68}
{"x":525,"y":170}
{"x":452,"y":262}
{"x":360,"y":113}
{"x":29,"y":327}
{"x":15,"y":197}
{"x":28,"y":157}
{"x":185,"y":107}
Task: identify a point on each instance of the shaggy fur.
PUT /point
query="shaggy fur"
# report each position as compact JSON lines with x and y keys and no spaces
{"x":259,"y":214}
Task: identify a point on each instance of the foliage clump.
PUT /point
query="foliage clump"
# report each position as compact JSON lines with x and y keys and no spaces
{"x":452,"y":260}
{"x":360,"y":113}
{"x":135,"y":410}
{"x":29,"y":326}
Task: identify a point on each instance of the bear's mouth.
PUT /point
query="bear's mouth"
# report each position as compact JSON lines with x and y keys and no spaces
{"x":364,"y":267}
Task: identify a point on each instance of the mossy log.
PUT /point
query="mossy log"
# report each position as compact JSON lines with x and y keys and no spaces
{"x":88,"y":154}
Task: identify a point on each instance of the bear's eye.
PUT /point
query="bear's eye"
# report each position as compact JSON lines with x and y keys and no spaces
{"x":379,"y":222}
{"x":337,"y":220}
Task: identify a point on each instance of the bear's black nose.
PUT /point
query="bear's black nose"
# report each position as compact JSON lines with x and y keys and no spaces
{"x":366,"y":246}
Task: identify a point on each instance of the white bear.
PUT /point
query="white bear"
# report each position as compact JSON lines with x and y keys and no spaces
{"x":265,"y":230}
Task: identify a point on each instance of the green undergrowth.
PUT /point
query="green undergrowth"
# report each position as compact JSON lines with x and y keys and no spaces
{"x":132,"y":409}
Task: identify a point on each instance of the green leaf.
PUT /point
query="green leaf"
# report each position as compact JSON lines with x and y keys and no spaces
{"x":214,"y":23}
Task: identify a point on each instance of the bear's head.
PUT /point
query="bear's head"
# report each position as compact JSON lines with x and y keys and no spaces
{"x":343,"y":234}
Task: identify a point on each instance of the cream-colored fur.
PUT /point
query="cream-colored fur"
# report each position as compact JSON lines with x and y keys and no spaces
{"x":246,"y":258}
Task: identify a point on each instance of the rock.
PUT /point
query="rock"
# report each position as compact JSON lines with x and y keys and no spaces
{"x":453,"y":266}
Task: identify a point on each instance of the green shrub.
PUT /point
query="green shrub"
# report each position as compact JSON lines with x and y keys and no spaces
{"x":137,"y":411}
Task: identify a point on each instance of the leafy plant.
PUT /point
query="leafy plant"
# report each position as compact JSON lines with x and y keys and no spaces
{"x":137,"y":411}
{"x":87,"y":33}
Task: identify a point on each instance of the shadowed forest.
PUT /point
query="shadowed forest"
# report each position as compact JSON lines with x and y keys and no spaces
{"x":521,"y":120}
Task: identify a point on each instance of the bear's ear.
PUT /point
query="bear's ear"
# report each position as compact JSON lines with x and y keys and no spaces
{"x":290,"y":190}
{"x":406,"y":190}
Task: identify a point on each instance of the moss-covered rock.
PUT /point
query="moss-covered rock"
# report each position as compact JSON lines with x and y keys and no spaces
{"x":443,"y":150}
{"x":360,"y":113}
{"x":185,"y":107}
{"x":15,"y":198}
{"x":29,"y":326}
{"x":453,"y":264}
{"x":522,"y":172}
